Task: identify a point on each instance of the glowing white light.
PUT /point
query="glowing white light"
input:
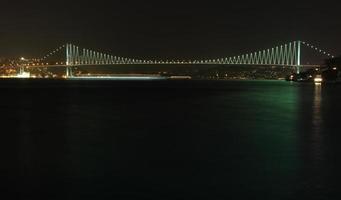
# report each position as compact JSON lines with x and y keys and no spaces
{"x":318,"y":80}
{"x":23,"y":75}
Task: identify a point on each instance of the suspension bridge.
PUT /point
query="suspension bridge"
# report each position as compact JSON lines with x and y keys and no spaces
{"x":286,"y":55}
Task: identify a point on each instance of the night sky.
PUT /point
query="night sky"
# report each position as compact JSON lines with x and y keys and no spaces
{"x":166,"y":29}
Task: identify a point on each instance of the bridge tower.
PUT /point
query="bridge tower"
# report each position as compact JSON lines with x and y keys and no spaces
{"x":298,"y":61}
{"x":69,"y":62}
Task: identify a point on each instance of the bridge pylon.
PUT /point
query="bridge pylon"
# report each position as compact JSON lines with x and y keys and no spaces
{"x":69,"y":63}
{"x":298,"y":62}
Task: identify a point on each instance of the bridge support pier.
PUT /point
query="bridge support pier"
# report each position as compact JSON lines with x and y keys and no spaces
{"x":69,"y":72}
{"x":21,"y":70}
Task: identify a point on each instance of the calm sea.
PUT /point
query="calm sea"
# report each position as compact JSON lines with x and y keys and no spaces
{"x":169,"y":140}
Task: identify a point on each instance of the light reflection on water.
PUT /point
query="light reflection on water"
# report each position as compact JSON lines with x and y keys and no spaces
{"x":317,"y":119}
{"x":317,"y":123}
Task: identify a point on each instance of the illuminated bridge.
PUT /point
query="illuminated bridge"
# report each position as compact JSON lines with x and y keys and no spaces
{"x":74,"y":56}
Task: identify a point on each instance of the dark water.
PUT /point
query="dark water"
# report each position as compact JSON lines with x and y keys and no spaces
{"x":169,"y":140}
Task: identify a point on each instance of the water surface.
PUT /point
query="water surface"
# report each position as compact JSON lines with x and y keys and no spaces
{"x":169,"y":140}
